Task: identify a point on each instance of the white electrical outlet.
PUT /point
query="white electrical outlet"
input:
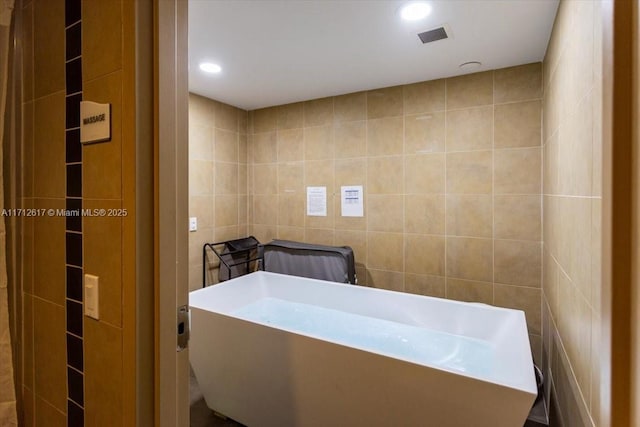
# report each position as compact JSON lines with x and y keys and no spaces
{"x":193,"y":223}
{"x":91,"y":296}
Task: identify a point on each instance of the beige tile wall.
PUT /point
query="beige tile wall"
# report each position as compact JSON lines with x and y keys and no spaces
{"x":452,"y":176}
{"x":572,"y":210}
{"x":217,"y":178}
{"x":108,"y":174}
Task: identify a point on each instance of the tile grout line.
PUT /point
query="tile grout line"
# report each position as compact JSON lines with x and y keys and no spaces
{"x":445,"y":272}
{"x":493,"y":189}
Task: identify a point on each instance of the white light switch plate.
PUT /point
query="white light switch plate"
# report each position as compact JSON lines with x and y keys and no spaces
{"x":91,"y":294}
{"x":193,"y":223}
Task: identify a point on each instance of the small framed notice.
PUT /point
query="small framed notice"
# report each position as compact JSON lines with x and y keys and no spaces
{"x":317,"y":201}
{"x":352,"y":202}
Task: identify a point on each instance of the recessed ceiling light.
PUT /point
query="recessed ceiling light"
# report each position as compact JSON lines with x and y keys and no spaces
{"x":209,"y":67}
{"x":415,"y":11}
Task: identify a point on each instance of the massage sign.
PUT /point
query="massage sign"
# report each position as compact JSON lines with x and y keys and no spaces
{"x":95,"y":122}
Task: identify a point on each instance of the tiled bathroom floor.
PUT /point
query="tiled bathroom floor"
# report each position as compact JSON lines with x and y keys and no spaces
{"x":201,"y":415}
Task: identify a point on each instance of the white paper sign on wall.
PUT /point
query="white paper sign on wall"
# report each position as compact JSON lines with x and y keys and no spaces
{"x":95,"y":122}
{"x":352,"y":200}
{"x":317,"y":201}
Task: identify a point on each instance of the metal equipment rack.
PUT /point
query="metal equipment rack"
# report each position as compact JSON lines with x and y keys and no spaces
{"x":237,"y":258}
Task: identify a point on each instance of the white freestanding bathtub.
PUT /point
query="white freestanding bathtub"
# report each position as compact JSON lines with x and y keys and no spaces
{"x":275,"y":350}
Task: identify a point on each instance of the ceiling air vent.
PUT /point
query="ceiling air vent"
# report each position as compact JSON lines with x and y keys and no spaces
{"x":433,"y":35}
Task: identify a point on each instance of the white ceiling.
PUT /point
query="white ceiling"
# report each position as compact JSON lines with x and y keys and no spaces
{"x":274,"y":52}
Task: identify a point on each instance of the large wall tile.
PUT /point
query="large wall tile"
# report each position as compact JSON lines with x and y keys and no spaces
{"x":226,"y":210}
{"x":291,"y":210}
{"x":424,"y":97}
{"x":385,"y":213}
{"x":350,"y":172}
{"x":424,"y":214}
{"x":201,"y":142}
{"x":226,"y":178}
{"x":350,"y":107}
{"x":424,"y":133}
{"x":470,"y":129}
{"x":28,"y":152}
{"x":422,"y":284}
{"x":385,"y":251}
{"x":102,"y":163}
{"x":48,"y":47}
{"x":320,"y":236}
{"x":517,"y":262}
{"x":291,"y":233}
{"x":227,"y":117}
{"x":291,"y":116}
{"x":201,"y":111}
{"x":350,"y":139}
{"x":390,"y":280}
{"x":518,"y":124}
{"x":521,"y":298}
{"x":28,"y":331}
{"x":265,"y":179}
{"x":517,"y":217}
{"x":550,"y":279}
{"x":28,"y":408}
{"x":291,"y":178}
{"x":470,"y":215}
{"x":228,"y":232}
{"x":265,"y":147}
{"x":320,"y":173}
{"x":226,"y":147}
{"x":576,"y":151}
{"x":470,"y":172}
{"x":264,"y":233}
{"x":242,"y":179}
{"x":318,"y":112}
{"x":201,"y":176}
{"x":265,"y":210}
{"x":28,"y":246}
{"x":48,"y":258}
{"x":470,"y":90}
{"x":384,"y":136}
{"x":470,"y":258}
{"x":265,"y":120}
{"x":517,"y":171}
{"x":425,"y":174}
{"x":424,"y":254}
{"x":49,"y":351}
{"x":47,"y":415}
{"x":49,"y":146}
{"x":357,"y":240}
{"x":318,"y":143}
{"x":27,"y":52}
{"x":519,"y":83}
{"x":103,"y":374}
{"x":245,"y":149}
{"x":387,"y":102}
{"x":471,"y":291}
{"x":384,"y":175}
{"x":290,"y":145}
{"x":101,"y":38}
